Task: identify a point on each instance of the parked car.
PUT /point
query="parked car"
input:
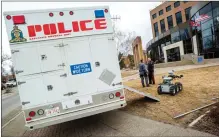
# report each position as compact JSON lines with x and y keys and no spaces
{"x":4,"y":86}
{"x":11,"y":83}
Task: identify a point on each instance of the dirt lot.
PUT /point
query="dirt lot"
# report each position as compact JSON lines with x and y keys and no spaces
{"x":200,"y":86}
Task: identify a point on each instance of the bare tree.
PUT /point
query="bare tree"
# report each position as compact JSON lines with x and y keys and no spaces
{"x":5,"y":57}
{"x":123,"y":40}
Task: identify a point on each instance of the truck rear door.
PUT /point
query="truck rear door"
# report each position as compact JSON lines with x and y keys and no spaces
{"x":80,"y":79}
{"x":104,"y":56}
{"x":26,"y":60}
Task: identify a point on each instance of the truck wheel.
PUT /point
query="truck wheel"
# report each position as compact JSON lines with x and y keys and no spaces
{"x":159,"y":91}
{"x":174,"y":91}
{"x":180,"y":87}
{"x":177,"y":88}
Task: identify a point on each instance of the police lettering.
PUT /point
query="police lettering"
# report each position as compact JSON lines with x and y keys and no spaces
{"x":59,"y":28}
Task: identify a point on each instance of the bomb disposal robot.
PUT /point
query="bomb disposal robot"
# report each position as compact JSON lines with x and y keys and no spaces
{"x":168,"y":86}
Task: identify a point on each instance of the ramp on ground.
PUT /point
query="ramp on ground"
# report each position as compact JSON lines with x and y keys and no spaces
{"x":147,"y":95}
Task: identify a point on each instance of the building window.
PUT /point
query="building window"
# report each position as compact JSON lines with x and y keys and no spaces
{"x":162,"y":26}
{"x":170,"y":22}
{"x":178,"y":17}
{"x":215,"y":7}
{"x":216,"y":12}
{"x":207,"y":32}
{"x":207,"y":24}
{"x":207,"y":42}
{"x":187,"y":12}
{"x":156,"y":29}
{"x":176,"y":4}
{"x":160,"y":12}
{"x":154,"y":16}
{"x":175,"y":37}
{"x":206,"y":11}
{"x":216,"y":21}
{"x":168,"y":8}
{"x":184,"y":34}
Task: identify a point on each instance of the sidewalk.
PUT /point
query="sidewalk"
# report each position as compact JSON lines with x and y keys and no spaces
{"x":113,"y":123}
{"x":165,"y":70}
{"x":131,"y":125}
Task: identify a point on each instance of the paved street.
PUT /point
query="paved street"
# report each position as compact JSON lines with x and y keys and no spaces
{"x":11,"y":102}
{"x":113,"y":123}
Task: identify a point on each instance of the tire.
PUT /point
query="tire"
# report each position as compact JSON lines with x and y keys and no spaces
{"x":177,"y":88}
{"x":174,"y":91}
{"x":180,"y":86}
{"x":159,"y":91}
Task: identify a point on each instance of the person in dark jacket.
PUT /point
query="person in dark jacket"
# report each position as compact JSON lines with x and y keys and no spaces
{"x":143,"y":73}
{"x":151,"y":71}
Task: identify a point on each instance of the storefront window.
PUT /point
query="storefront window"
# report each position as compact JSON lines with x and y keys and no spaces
{"x":216,"y":12}
{"x":215,"y":4}
{"x":175,"y":37}
{"x":207,"y":42}
{"x":184,"y":34}
{"x":207,"y":24}
{"x":206,"y":9}
{"x":207,"y":32}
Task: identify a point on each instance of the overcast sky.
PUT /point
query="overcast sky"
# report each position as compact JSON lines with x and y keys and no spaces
{"x":134,"y":15}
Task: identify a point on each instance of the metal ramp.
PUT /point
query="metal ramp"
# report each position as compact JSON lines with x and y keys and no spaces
{"x":147,"y":95}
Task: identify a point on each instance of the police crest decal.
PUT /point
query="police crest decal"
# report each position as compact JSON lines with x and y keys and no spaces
{"x":17,"y":35}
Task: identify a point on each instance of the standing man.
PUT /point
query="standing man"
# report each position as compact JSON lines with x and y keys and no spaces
{"x":143,"y":74}
{"x":151,"y":71}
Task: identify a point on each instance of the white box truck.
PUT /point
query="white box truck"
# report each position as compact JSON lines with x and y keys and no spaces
{"x":66,"y":64}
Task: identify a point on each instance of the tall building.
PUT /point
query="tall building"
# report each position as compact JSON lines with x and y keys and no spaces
{"x":169,"y":14}
{"x":172,"y":34}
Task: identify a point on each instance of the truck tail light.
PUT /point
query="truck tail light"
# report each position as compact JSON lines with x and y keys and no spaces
{"x":122,"y":97}
{"x":118,"y":94}
{"x":71,"y":12}
{"x":20,"y":19}
{"x":28,"y":119}
{"x":32,"y":114}
{"x":106,"y":10}
{"x":8,"y":17}
{"x":61,"y":13}
{"x":51,"y":14}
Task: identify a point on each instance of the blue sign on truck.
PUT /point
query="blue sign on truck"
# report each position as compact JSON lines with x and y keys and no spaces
{"x":80,"y":68}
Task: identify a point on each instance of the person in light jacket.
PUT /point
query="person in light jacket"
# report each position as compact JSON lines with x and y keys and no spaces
{"x":143,"y":74}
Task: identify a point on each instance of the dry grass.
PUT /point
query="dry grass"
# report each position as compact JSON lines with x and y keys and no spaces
{"x":200,"y":85}
{"x":128,"y":73}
